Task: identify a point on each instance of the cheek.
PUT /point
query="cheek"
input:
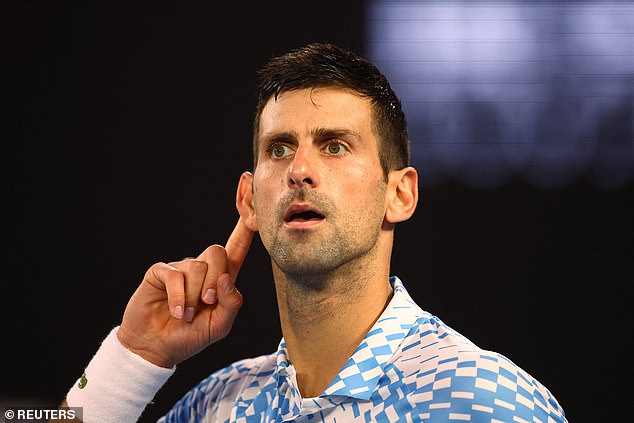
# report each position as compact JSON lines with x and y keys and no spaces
{"x":368,"y":197}
{"x":266,"y":178}
{"x":264,"y":202}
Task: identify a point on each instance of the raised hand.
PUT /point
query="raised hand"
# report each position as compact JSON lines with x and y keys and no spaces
{"x":182,"y":307}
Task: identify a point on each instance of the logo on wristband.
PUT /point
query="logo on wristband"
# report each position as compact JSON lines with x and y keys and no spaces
{"x":83,"y":381}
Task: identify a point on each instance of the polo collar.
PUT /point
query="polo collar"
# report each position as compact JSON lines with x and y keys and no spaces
{"x":360,"y":375}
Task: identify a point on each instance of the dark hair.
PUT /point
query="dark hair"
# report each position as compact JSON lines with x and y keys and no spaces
{"x":322,"y":65}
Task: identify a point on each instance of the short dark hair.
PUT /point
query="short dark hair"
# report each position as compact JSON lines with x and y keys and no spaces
{"x":325,"y":65}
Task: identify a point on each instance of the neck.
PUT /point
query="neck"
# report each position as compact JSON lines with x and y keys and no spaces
{"x":324,"y":319}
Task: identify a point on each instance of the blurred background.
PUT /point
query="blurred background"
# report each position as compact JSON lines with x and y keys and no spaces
{"x":126,"y":127}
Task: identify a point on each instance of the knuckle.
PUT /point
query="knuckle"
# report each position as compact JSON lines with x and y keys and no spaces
{"x":177,"y":296}
{"x":174,"y":300}
{"x":173,"y":275}
{"x":215,"y":251}
{"x":154,"y":271}
{"x":156,"y":266}
{"x":194,"y":265}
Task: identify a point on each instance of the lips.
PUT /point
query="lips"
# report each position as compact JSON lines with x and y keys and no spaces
{"x":302,"y":216}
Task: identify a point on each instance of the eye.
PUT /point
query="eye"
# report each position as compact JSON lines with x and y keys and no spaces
{"x":335,"y":148}
{"x":279,"y":151}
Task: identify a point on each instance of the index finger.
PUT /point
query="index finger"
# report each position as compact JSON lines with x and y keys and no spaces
{"x":237,"y":247}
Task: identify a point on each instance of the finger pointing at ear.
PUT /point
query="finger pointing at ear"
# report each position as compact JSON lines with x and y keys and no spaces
{"x":227,"y":259}
{"x":237,"y":247}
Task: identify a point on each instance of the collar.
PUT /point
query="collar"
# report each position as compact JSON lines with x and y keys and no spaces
{"x":360,"y":375}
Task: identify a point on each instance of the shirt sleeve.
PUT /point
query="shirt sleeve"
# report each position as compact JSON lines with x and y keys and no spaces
{"x":214,"y":398}
{"x":202,"y":400}
{"x":485,"y":387}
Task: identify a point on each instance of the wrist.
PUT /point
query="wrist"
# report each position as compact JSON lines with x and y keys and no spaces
{"x":117,"y":384}
{"x":147,"y":354}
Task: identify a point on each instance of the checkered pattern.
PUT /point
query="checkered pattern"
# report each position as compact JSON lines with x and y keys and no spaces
{"x":409,"y":368}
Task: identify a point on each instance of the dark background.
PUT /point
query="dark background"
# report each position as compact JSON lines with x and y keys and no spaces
{"x":126,"y":127}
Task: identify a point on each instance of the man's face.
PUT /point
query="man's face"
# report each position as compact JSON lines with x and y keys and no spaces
{"x":318,"y":189}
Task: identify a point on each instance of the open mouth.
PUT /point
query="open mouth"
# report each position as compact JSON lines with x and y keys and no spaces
{"x":302,"y":215}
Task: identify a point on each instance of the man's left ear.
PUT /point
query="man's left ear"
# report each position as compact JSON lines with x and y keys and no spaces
{"x":402,"y":194}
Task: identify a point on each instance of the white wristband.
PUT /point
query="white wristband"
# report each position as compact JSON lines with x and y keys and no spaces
{"x":117,"y":384}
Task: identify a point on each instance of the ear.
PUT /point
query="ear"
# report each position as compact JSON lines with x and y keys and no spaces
{"x":244,"y":201}
{"x":402,"y":194}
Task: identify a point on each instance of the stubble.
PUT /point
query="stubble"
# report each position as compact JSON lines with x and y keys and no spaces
{"x":312,"y":260}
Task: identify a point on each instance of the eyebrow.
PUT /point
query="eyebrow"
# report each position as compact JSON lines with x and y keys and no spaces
{"x":317,"y":133}
{"x":287,"y":136}
{"x":327,"y":133}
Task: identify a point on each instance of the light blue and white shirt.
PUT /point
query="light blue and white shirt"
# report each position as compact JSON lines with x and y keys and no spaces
{"x":410,"y":367}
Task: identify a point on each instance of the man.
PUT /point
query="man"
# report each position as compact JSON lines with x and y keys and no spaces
{"x":330,"y":181}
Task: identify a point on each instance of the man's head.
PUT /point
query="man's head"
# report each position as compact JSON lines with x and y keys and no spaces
{"x":323,"y":65}
{"x":331,"y":180}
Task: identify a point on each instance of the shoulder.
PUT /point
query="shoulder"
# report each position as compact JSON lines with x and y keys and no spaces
{"x":220,"y":389}
{"x":487,"y":383}
{"x":449,"y":374}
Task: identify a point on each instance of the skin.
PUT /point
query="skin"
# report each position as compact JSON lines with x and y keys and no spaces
{"x":330,"y":163}
{"x":317,"y":151}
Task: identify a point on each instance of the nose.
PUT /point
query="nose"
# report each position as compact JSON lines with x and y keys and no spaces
{"x":303,"y":169}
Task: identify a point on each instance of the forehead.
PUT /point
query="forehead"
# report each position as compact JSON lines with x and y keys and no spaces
{"x":301,"y":111}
